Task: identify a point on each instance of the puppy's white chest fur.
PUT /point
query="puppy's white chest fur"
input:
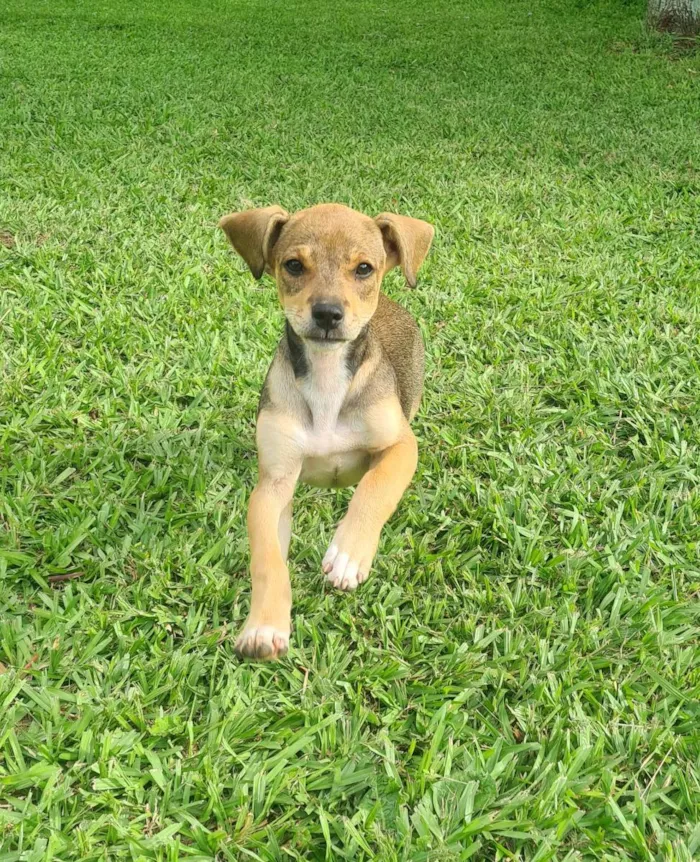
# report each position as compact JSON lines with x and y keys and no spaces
{"x":333,"y":449}
{"x":325,"y":388}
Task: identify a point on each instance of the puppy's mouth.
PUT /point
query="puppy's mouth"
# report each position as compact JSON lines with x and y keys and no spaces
{"x":320,"y":335}
{"x":317,"y":335}
{"x":326,"y":338}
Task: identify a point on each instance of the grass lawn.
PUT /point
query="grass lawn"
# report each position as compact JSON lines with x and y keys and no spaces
{"x":520,"y":677}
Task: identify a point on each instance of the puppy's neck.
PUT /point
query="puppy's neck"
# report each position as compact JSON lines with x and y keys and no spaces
{"x":324,"y":373}
{"x":326,"y":385}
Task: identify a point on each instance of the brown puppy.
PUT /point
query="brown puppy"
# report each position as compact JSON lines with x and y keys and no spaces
{"x":343,"y":386}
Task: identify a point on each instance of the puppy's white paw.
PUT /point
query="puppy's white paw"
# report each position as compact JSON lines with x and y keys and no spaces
{"x":263,"y":642}
{"x":344,"y":569}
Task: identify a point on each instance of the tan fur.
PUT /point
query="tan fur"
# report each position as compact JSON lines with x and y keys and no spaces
{"x":336,"y":404}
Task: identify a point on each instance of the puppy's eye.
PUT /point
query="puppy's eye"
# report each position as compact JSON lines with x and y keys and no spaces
{"x":363,"y":270}
{"x":294,"y":266}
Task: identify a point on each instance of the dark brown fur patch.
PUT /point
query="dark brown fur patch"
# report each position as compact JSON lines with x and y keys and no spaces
{"x":357,"y":353}
{"x":296,"y":352}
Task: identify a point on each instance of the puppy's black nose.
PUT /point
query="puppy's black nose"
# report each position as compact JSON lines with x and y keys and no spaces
{"x":327,"y":315}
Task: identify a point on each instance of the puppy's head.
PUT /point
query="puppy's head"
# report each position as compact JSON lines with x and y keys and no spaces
{"x":328,"y":262}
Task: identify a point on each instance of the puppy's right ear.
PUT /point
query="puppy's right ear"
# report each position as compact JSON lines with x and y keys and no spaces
{"x":253,"y":234}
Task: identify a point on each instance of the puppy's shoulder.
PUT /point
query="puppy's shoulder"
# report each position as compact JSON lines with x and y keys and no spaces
{"x":397,"y":335}
{"x":279,"y":390}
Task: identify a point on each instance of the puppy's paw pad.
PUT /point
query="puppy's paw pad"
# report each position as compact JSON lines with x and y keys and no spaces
{"x":262,"y":642}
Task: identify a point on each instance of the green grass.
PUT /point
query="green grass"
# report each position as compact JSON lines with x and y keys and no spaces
{"x":520,"y":677}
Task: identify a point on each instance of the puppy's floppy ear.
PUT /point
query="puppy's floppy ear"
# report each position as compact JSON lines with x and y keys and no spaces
{"x":253,"y":234}
{"x":406,"y":241}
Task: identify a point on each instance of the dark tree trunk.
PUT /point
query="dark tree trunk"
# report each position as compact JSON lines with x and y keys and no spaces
{"x":675,"y":16}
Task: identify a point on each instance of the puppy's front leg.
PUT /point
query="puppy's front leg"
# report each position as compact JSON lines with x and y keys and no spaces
{"x":349,"y":557}
{"x":266,"y":632}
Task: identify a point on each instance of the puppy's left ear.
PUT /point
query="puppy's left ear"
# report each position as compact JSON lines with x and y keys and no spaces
{"x":406,"y":241}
